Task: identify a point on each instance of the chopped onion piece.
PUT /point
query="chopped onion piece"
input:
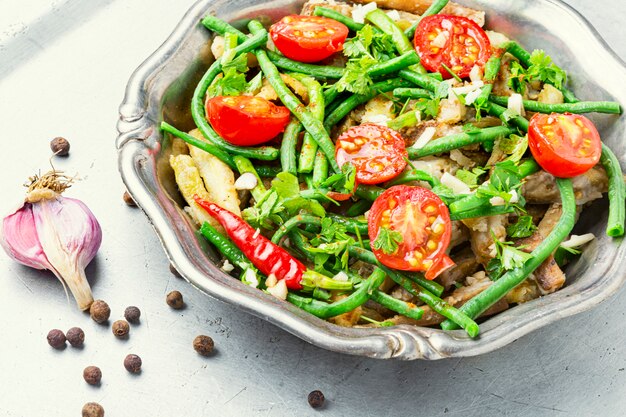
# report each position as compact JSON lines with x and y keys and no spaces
{"x":279,"y":290}
{"x":359,"y":12}
{"x":341,"y":276}
{"x":471,"y":97}
{"x":393,"y":15}
{"x":441,"y":39}
{"x":476,"y":74}
{"x":455,"y":184}
{"x":246,"y":181}
{"x":227,"y":266}
{"x":425,"y":137}
{"x":250,"y":278}
{"x":271,"y":281}
{"x":516,"y":104}
{"x":576,"y":241}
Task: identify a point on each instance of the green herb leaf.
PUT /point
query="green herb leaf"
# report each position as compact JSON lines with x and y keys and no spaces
{"x":355,"y":78}
{"x":233,"y":83}
{"x":543,"y":69}
{"x":472,"y":177}
{"x":523,"y":228}
{"x":515,"y":146}
{"x":286,"y":185}
{"x":388,"y":240}
{"x":518,"y":79}
{"x":494,"y":269}
{"x":428,"y":107}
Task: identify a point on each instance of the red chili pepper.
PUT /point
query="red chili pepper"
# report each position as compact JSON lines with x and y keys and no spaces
{"x":268,"y":257}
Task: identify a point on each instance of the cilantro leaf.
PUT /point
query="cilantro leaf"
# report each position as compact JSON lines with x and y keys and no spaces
{"x":343,"y":182}
{"x":239,"y":64}
{"x":388,"y":240}
{"x":523,"y":228}
{"x":428,"y":107}
{"x":515,"y":146}
{"x":286,"y":185}
{"x":233,"y":83}
{"x":518,"y":78}
{"x":543,"y":69}
{"x":266,"y":212}
{"x":355,"y":78}
{"x":508,"y":258}
{"x":472,"y":177}
{"x":494,"y":269}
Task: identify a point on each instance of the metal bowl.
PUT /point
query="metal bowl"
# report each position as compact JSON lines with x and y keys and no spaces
{"x":160,"y":89}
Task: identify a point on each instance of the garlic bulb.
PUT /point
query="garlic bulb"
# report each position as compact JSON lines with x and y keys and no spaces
{"x":49,"y":231}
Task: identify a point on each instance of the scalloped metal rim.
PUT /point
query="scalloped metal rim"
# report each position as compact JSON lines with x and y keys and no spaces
{"x":404,"y":342}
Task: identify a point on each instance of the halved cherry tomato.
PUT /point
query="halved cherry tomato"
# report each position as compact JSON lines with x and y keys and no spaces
{"x":455,"y":41}
{"x":377,"y":152}
{"x":422,"y":219}
{"x":308,"y":38}
{"x":245,"y":120}
{"x":565,"y":145}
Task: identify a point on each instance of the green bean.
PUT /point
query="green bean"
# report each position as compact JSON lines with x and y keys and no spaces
{"x":617,"y":193}
{"x":499,"y":111}
{"x":348,"y":105}
{"x":401,"y":307}
{"x":221,"y":27}
{"x":523,"y":56}
{"x":368,"y":192}
{"x":308,"y":120}
{"x":492,"y":68}
{"x":421,"y":80}
{"x":295,"y":221}
{"x":480,"y":303}
{"x":288,"y":146}
{"x":332,"y":14}
{"x":316,"y":107}
{"x":216,"y":151}
{"x":358,"y":208}
{"x":527,"y":167}
{"x":458,"y":140}
{"x":230,"y":43}
{"x":197,"y":106}
{"x":414,"y":175}
{"x":320,"y":169}
{"x":434,"y":8}
{"x":394,"y":64}
{"x":245,"y":166}
{"x":226,"y":247}
{"x":317,"y":71}
{"x":349,"y":303}
{"x":411,"y":93}
{"x":407,"y":119}
{"x":267,"y":171}
{"x":610,"y":107}
{"x":368,"y":257}
{"x":484,"y":210}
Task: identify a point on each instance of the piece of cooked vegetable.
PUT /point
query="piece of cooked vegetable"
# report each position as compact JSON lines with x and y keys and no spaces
{"x":479,"y":304}
{"x":288,"y":160}
{"x":316,"y":107}
{"x":434,"y":8}
{"x":317,"y":71}
{"x":610,"y":107}
{"x":330,"y":13}
{"x":617,"y":193}
{"x":214,"y":150}
{"x":458,"y":140}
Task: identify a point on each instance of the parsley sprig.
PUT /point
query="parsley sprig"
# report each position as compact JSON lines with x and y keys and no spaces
{"x":388,"y":240}
{"x":541,"y":69}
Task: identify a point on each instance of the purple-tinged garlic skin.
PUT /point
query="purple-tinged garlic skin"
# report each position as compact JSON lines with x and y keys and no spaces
{"x":56,"y":233}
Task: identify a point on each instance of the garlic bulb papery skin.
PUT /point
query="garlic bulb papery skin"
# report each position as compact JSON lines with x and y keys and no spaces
{"x":57,"y":233}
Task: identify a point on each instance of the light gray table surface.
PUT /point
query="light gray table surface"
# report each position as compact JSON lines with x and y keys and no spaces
{"x":64,"y":65}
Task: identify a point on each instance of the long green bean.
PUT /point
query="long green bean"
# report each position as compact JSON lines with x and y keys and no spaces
{"x":480,"y":303}
{"x":216,"y":151}
{"x":394,"y":64}
{"x":288,"y":146}
{"x":401,"y":307}
{"x":226,"y":247}
{"x":499,"y":111}
{"x":414,"y":175}
{"x":320,"y":169}
{"x":332,"y":14}
{"x":295,"y":221}
{"x":617,"y":193}
{"x":308,"y":120}
{"x":411,"y":93}
{"x":358,"y":208}
{"x":610,"y":107}
{"x":350,"y":223}
{"x":458,"y":140}
{"x":349,"y":303}
{"x":317,"y":71}
{"x":267,"y":171}
{"x":316,"y":107}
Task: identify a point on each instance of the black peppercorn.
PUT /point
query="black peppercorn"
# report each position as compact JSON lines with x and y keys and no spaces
{"x":174,"y":271}
{"x":92,"y":375}
{"x":100,"y":311}
{"x":132,"y":363}
{"x":175,"y":300}
{"x":129,"y":200}
{"x":120,"y":328}
{"x":60,"y":146}
{"x":203,"y":345}
{"x":132,"y":314}
{"x":56,"y":339}
{"x":75,"y":336}
{"x":316,"y":399}
{"x":93,"y":410}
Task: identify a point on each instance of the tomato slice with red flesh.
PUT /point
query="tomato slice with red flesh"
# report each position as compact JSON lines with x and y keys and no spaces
{"x":377,"y":152}
{"x":308,"y":38}
{"x":245,"y":120}
{"x":455,"y":41}
{"x":565,"y":145}
{"x":422,"y":220}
